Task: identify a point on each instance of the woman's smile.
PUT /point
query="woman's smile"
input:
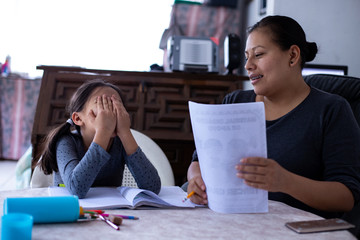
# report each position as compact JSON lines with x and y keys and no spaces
{"x":255,"y":78}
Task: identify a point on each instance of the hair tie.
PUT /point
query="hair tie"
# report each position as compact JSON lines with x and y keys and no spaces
{"x":70,"y":121}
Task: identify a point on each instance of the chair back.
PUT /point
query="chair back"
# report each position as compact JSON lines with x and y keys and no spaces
{"x":348,"y":88}
{"x":345,"y":86}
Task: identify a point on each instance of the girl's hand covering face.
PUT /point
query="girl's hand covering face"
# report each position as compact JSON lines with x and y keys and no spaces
{"x":104,"y":116}
{"x":122,"y":116}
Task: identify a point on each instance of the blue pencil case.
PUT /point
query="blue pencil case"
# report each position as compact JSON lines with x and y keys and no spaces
{"x":45,"y":209}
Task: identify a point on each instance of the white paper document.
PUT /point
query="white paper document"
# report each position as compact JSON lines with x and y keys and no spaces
{"x":224,"y":134}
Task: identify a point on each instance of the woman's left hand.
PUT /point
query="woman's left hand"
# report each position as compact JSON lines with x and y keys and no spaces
{"x":263,"y":173}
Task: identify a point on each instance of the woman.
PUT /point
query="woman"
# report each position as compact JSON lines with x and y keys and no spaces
{"x":313,"y":139}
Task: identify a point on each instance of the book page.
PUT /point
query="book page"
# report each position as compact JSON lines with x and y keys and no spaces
{"x":126,"y":197}
{"x":169,"y":196}
{"x":96,"y":198}
{"x":224,"y":134}
{"x":175,"y":196}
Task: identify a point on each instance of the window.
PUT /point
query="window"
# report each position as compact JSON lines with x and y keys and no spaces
{"x":323,"y":68}
{"x":109,"y":34}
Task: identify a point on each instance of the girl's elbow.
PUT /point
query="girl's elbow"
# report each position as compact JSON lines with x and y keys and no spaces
{"x":157,"y":188}
{"x":80,"y":194}
{"x":154,"y":186}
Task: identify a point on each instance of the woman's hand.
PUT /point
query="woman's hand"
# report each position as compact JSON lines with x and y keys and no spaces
{"x":196,"y":184}
{"x":267,"y":174}
{"x":263,"y":173}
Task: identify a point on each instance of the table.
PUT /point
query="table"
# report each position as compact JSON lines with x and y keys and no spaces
{"x":199,"y":223}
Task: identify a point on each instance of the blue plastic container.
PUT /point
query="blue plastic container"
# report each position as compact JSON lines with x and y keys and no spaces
{"x":45,"y":209}
{"x":16,"y":226}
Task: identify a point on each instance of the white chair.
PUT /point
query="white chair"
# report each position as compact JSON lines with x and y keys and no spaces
{"x":152,"y":151}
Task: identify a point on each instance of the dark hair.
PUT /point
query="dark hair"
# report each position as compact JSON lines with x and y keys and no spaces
{"x":77,"y":102}
{"x":287,"y":32}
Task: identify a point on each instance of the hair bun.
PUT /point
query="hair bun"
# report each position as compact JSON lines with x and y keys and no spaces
{"x":312,"y":50}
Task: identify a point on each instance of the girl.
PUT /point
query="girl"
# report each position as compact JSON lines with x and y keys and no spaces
{"x":313,"y":138}
{"x":96,"y":152}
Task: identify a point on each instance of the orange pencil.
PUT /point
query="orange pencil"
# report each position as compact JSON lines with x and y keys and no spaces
{"x":188,"y":196}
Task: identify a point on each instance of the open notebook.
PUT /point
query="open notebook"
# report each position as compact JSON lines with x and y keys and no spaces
{"x":127,"y":197}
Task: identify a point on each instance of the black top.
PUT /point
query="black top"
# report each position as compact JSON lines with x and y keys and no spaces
{"x":319,"y":139}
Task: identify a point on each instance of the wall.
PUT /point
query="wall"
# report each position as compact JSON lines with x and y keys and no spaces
{"x":332,"y":24}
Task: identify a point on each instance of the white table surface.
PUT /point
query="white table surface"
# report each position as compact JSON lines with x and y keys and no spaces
{"x":200,"y":223}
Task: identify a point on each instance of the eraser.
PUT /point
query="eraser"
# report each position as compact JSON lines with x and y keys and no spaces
{"x":115,"y":219}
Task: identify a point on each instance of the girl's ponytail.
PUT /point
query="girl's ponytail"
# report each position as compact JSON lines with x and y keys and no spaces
{"x":47,"y":160}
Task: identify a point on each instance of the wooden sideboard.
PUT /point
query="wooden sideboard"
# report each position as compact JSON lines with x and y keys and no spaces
{"x":156,"y":101}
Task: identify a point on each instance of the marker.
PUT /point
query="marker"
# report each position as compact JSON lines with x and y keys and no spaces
{"x":122,"y":216}
{"x":61,"y":185}
{"x":188,"y":196}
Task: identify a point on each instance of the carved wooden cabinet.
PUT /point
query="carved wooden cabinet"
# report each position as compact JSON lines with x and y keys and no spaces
{"x":156,"y":101}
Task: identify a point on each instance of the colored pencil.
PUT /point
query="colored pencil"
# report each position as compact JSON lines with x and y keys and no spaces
{"x":122,"y":216}
{"x":97,"y":211}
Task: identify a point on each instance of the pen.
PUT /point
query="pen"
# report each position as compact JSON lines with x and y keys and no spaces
{"x":109,"y":222}
{"x":122,"y":216}
{"x":188,"y":196}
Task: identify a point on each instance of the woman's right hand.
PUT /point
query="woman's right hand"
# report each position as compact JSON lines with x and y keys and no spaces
{"x":196,"y":184}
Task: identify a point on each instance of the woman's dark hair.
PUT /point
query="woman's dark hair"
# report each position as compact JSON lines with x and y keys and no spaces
{"x":77,"y":102}
{"x":287,"y":32}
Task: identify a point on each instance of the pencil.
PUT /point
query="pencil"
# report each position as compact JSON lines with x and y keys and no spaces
{"x":188,"y":196}
{"x":122,"y":216}
{"x":96,"y":211}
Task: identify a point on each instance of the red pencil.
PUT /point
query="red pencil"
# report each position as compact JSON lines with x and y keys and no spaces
{"x":96,"y":211}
